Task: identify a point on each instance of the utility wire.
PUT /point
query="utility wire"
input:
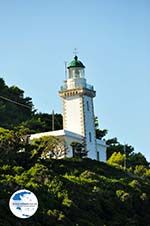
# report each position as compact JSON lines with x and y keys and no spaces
{"x":23,"y":105}
{"x":15,"y":102}
{"x":125,"y":159}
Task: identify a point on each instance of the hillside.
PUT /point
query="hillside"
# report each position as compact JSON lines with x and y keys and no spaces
{"x":71,"y":192}
{"x":75,"y":192}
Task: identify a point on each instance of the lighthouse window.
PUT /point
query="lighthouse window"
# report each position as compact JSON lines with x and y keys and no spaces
{"x":87,"y":103}
{"x":77,"y":73}
{"x":90,"y":137}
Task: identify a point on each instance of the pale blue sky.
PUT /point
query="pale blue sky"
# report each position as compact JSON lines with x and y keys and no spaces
{"x":113,"y":41}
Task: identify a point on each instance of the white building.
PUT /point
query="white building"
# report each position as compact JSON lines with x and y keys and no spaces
{"x":78,"y":114}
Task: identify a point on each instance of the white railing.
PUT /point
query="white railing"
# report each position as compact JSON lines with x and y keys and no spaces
{"x":75,"y":86}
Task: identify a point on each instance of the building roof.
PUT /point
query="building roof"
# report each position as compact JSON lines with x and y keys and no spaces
{"x":57,"y":133}
{"x":75,"y":63}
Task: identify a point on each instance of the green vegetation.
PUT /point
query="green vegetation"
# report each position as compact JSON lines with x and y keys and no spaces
{"x":71,"y":192}
{"x":12,"y":114}
{"x":118,"y":153}
{"x":77,"y":192}
{"x":18,"y":111}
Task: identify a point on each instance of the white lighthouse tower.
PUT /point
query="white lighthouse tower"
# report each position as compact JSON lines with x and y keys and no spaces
{"x":78,"y":110}
{"x":78,"y":114}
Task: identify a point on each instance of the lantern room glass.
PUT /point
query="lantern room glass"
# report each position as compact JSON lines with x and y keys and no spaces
{"x":76,"y":72}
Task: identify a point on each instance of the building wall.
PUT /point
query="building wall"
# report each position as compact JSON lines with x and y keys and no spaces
{"x":73,"y":114}
{"x":89,"y":126}
{"x":101,"y":150}
{"x":69,"y":140}
{"x":70,"y":137}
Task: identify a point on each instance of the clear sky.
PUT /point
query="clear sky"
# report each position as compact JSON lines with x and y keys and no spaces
{"x":113,"y":41}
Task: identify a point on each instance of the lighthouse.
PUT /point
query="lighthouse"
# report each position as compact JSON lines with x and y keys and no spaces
{"x":78,"y":110}
{"x":78,"y":115}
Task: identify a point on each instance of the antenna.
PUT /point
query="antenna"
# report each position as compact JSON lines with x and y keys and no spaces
{"x":125,"y":159}
{"x":53,"y":120}
{"x":75,"y":51}
{"x":65,"y":70}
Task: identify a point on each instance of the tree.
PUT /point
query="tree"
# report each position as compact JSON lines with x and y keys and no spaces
{"x":132,"y":158}
{"x":140,"y":170}
{"x":99,"y":133}
{"x":112,"y":141}
{"x":14,"y":107}
{"x":78,"y":150}
{"x":47,"y":120}
{"x":137,"y":159}
{"x":42,"y":122}
{"x":13,"y":146}
{"x":115,"y":146}
{"x":35,"y":125}
{"x":116,"y":158}
{"x":49,"y":147}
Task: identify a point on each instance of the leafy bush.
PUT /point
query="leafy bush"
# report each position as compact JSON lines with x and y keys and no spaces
{"x":116,"y":159}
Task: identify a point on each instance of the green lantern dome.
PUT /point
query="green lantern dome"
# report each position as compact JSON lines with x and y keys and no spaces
{"x":75,"y":63}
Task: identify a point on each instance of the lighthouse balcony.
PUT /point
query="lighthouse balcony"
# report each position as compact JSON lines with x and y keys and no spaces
{"x":71,"y":86}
